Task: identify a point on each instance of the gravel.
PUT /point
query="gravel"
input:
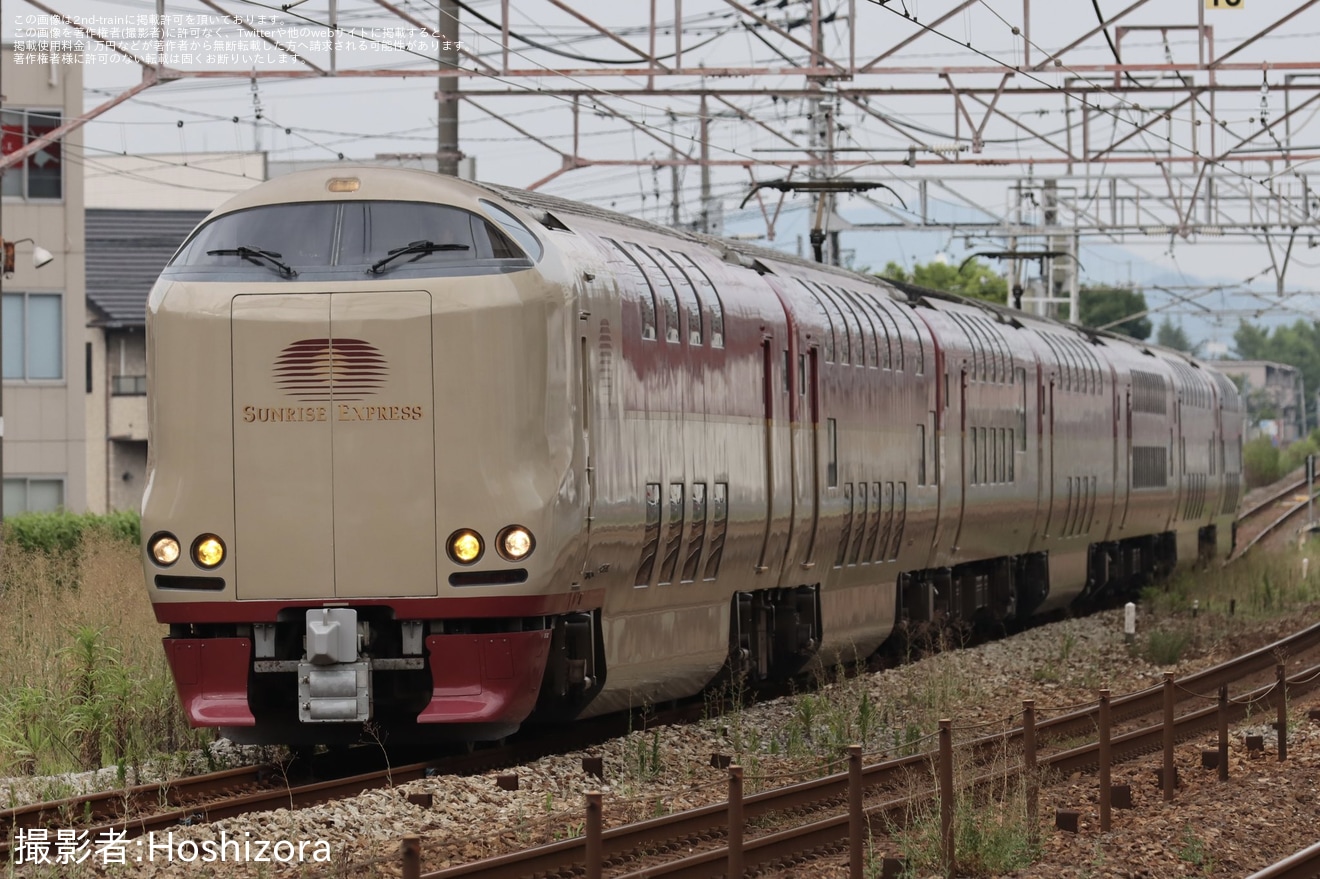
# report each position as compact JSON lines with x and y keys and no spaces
{"x":1271,"y":811}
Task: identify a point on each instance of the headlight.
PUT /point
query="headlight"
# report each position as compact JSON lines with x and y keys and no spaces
{"x":164,"y":548}
{"x":208,"y":551}
{"x":465,"y":546}
{"x":515,"y":543}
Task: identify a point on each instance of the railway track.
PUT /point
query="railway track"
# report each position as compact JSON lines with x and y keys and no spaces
{"x":1284,"y":503}
{"x":813,"y":807}
{"x":142,"y":809}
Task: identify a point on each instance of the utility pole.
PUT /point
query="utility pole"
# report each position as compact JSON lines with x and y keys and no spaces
{"x":820,"y":109}
{"x":447,"y":152}
{"x":704,"y":218}
{"x":674,"y":196}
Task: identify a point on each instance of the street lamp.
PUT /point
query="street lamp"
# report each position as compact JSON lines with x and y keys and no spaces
{"x":40,"y":257}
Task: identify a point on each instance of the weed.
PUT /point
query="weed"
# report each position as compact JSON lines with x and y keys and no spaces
{"x":1194,"y":850}
{"x":1166,"y":647}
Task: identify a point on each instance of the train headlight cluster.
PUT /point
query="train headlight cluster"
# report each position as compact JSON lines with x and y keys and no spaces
{"x":164,"y":549}
{"x":514,"y":543}
{"x":208,"y":551}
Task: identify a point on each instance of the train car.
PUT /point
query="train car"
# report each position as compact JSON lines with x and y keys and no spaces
{"x":440,"y":457}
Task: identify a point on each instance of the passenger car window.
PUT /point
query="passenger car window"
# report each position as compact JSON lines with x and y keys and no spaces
{"x":511,"y":224}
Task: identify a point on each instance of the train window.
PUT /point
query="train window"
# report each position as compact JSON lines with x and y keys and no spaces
{"x":664,"y":291}
{"x":896,"y":353}
{"x":674,"y":538}
{"x":802,"y":375}
{"x":511,"y":224}
{"x":699,"y":276}
{"x":646,"y":295}
{"x":687,"y":294}
{"x":879,"y":327}
{"x":394,"y":224}
{"x":829,"y":321}
{"x":840,"y":324}
{"x":651,"y":537}
{"x":863,"y":523}
{"x":335,"y":234}
{"x":1011,"y":456}
{"x":862,"y":315}
{"x":1020,"y":376}
{"x":876,"y":511}
{"x":887,"y":514}
{"x":719,"y":515}
{"x":302,"y":235}
{"x":921,"y":454}
{"x":832,"y":450}
{"x":849,"y":509}
{"x":900,"y":517}
{"x":976,"y":459}
{"x":690,"y":567}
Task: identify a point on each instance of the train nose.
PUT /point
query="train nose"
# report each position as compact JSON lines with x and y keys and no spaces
{"x":333,"y":424}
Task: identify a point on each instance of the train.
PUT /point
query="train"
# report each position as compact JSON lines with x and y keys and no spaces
{"x":441,"y":458}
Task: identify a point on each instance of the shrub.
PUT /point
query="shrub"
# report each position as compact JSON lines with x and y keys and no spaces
{"x":64,"y":531}
{"x":1260,"y":460}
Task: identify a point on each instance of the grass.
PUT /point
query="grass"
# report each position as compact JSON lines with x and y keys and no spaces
{"x":83,"y":680}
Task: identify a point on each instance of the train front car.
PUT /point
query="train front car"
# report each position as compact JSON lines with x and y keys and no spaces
{"x":366,"y":488}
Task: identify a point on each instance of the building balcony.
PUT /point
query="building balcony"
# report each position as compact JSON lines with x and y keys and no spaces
{"x":128,"y":408}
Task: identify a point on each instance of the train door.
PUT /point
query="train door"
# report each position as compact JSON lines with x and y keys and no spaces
{"x":778,"y":469}
{"x":334,"y":422}
{"x":800,"y":411}
{"x":1126,"y":441}
{"x":380,"y":458}
{"x":1045,"y":459}
{"x":586,"y":403}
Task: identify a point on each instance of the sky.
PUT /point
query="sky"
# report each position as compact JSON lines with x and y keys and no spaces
{"x":322,"y":118}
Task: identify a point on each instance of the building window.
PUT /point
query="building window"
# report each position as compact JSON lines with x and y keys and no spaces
{"x":128,"y":385}
{"x":25,"y":495}
{"x":40,"y":175}
{"x":33,"y":336}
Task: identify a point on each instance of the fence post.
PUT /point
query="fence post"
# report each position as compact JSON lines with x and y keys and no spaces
{"x":946,"y":796}
{"x":735,"y":818}
{"x":1029,"y":757}
{"x":1168,"y":737}
{"x":1223,"y":733}
{"x":410,"y":853}
{"x":855,"y":816}
{"x":1105,"y":793}
{"x":595,"y":857}
{"x":1281,"y":681}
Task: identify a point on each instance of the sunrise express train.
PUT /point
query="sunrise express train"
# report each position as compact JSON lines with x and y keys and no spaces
{"x":443,"y":456}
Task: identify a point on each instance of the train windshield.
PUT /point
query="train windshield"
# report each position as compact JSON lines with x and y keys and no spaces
{"x":357,"y":237}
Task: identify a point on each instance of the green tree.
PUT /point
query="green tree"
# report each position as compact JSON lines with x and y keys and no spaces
{"x":1101,"y":306}
{"x":973,"y":278}
{"x":1172,"y":335}
{"x":1296,"y":345}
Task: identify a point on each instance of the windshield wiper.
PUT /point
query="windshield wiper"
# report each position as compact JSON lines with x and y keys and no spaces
{"x":256,"y":255}
{"x":421,"y":248}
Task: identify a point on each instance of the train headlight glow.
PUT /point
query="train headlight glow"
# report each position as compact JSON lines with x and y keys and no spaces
{"x":515,"y":543}
{"x":208,"y":551}
{"x":164,"y":549}
{"x":465,"y":546}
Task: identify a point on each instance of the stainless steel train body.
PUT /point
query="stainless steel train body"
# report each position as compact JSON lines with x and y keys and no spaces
{"x":440,"y":457}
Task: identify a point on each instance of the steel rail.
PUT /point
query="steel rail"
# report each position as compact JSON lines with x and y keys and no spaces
{"x":707,"y":822}
{"x":1305,"y":864}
